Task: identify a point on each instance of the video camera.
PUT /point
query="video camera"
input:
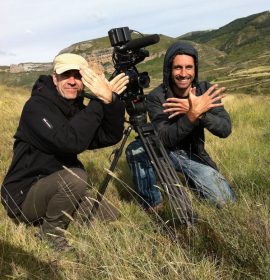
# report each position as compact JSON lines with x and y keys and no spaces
{"x":127,"y":53}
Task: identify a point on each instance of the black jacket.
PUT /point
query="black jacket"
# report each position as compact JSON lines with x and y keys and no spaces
{"x":52,"y":132}
{"x":179,"y":132}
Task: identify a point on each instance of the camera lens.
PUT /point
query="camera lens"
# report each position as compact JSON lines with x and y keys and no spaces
{"x":144,"y":80}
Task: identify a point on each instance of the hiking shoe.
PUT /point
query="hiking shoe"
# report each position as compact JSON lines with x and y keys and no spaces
{"x":54,"y":234}
{"x":56,"y":242}
{"x":59,"y":243}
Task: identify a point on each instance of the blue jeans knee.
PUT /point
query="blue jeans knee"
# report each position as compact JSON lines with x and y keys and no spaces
{"x":203,"y":179}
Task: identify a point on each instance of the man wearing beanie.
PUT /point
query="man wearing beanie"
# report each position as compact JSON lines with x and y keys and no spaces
{"x":46,"y":182}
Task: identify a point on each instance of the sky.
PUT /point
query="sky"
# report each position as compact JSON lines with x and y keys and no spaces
{"x":35,"y":31}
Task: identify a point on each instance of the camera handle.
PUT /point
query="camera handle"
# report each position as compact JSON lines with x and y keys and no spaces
{"x":177,"y":196}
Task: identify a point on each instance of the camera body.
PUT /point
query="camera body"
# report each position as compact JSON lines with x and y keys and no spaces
{"x":126,"y":54}
{"x":119,"y":36}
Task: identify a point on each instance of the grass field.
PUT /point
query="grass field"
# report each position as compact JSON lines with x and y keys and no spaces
{"x":229,"y":243}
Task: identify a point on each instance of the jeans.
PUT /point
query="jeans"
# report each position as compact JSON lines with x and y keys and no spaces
{"x":204,"y":180}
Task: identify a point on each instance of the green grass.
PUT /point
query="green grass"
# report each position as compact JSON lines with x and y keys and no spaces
{"x":229,"y":243}
{"x":22,"y":80}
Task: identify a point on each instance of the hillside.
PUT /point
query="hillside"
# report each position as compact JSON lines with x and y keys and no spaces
{"x":245,"y":45}
{"x":237,"y":34}
{"x":236,"y":55}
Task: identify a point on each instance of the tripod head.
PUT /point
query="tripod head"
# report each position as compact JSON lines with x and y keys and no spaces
{"x":126,"y":54}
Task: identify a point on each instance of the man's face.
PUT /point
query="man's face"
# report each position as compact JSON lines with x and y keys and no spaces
{"x":183,"y":71}
{"x":68,"y":84}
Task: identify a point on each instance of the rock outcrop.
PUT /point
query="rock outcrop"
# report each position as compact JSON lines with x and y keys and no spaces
{"x":30,"y":67}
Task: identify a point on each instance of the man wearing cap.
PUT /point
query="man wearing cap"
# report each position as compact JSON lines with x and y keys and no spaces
{"x":46,"y":182}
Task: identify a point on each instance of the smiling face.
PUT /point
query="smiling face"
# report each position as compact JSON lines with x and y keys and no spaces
{"x":182,"y":74}
{"x":68,"y":84}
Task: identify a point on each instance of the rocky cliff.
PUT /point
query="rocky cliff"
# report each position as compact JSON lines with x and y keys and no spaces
{"x":30,"y":67}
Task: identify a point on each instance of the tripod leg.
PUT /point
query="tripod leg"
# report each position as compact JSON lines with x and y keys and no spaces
{"x":166,"y":173}
{"x":104,"y":184}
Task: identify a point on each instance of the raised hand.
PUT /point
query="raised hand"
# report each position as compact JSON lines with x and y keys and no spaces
{"x":97,"y":84}
{"x":100,"y":86}
{"x":203,"y":103}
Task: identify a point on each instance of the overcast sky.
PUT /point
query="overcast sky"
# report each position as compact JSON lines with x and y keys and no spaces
{"x":35,"y":31}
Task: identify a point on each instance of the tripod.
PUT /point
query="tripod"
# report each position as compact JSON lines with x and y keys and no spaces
{"x":170,"y":182}
{"x":126,"y":54}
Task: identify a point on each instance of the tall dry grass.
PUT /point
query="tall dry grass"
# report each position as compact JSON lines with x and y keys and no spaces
{"x":228,"y":243}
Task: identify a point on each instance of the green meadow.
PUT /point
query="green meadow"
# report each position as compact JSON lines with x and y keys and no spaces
{"x":228,"y":243}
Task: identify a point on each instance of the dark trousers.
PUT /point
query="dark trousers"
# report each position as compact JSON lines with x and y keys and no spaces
{"x":49,"y":197}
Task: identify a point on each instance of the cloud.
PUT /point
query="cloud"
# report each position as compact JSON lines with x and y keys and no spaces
{"x":34,"y":29}
{"x":3,"y":53}
{"x":28,"y":31}
{"x":99,"y":16}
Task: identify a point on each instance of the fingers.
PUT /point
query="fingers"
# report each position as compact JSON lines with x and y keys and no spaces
{"x":176,"y":106}
{"x":218,"y":92}
{"x":118,"y":83}
{"x":173,"y":99}
{"x":100,"y":86}
{"x":214,"y":90}
{"x":119,"y":91}
{"x":211,"y":90}
{"x":174,"y":115}
{"x":173,"y":109}
{"x":218,"y":98}
{"x":119,"y":88}
{"x":97,"y":84}
{"x":169,"y":105}
{"x":89,"y":76}
{"x":217,"y":105}
{"x":86,"y":83}
{"x":102,"y":75}
{"x":170,"y":110}
{"x":117,"y":78}
{"x":87,"y":72}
